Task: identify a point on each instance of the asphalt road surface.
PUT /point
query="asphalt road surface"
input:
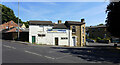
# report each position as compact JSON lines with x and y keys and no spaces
{"x":15,"y":52}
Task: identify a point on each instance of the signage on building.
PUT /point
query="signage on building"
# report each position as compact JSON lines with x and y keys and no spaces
{"x":57,"y":31}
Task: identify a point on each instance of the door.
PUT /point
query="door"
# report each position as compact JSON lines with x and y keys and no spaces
{"x":56,"y":40}
{"x":74,"y":43}
{"x":33,"y":39}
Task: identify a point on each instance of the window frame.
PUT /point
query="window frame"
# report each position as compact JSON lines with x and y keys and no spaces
{"x":73,"y":29}
{"x":83,"y":39}
{"x":41,"y":35}
{"x":64,"y":38}
{"x":83,"y":30}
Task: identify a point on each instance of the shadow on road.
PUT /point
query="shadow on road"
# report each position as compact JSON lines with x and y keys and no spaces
{"x":95,"y":54}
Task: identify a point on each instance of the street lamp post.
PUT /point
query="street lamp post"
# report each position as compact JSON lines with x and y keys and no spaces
{"x":18,"y":19}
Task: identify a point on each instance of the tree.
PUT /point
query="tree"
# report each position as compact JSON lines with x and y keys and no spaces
{"x":113,"y":18}
{"x":100,"y":24}
{"x":8,"y":14}
{"x":26,"y":24}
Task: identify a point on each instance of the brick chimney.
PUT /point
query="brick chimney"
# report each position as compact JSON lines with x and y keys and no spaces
{"x":82,"y":20}
{"x":59,"y":21}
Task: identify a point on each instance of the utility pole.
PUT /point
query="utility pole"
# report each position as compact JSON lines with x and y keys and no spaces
{"x":18,"y":20}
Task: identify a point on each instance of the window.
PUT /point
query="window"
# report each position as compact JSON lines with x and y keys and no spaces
{"x":64,"y":38}
{"x":104,"y":35}
{"x":41,"y":35}
{"x":6,"y":27}
{"x":11,"y":22}
{"x":83,"y":39}
{"x":98,"y":29}
{"x":105,"y":29}
{"x":73,"y":29}
{"x":83,"y":29}
{"x":93,"y":30}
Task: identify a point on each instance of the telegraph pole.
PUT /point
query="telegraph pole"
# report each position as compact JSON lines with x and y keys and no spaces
{"x":18,"y":20}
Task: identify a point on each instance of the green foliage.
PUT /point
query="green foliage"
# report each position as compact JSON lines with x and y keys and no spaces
{"x":8,"y":14}
{"x":98,"y":38}
{"x":26,"y":24}
{"x":113,"y":18}
{"x":107,"y":38}
{"x":87,"y":36}
{"x":100,"y":24}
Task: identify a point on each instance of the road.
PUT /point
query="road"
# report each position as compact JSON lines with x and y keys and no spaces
{"x":15,"y":52}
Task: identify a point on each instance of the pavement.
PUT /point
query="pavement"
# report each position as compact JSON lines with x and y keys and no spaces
{"x":101,"y":44}
{"x":15,"y":52}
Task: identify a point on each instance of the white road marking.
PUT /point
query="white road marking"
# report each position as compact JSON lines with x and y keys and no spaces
{"x":33,"y":53}
{"x":39,"y":54}
{"x":9,"y":46}
{"x":49,"y":57}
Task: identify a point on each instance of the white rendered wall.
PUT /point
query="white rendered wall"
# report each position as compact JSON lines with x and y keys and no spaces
{"x":34,"y":30}
{"x":61,"y":41}
{"x":49,"y":38}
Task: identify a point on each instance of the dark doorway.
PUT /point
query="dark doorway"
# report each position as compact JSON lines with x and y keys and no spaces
{"x":56,"y":40}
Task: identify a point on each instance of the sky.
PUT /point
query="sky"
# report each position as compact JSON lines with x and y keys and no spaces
{"x":92,"y":12}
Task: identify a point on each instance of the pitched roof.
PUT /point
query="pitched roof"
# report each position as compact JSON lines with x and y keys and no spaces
{"x":101,"y":26}
{"x":13,"y":29}
{"x":5,"y":30}
{"x":41,"y":22}
{"x":59,"y":26}
{"x":9,"y":24}
{"x":74,"y":22}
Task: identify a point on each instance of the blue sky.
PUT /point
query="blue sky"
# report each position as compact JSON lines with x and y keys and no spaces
{"x":92,"y":12}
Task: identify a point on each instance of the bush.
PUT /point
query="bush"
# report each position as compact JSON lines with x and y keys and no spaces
{"x":98,"y":38}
